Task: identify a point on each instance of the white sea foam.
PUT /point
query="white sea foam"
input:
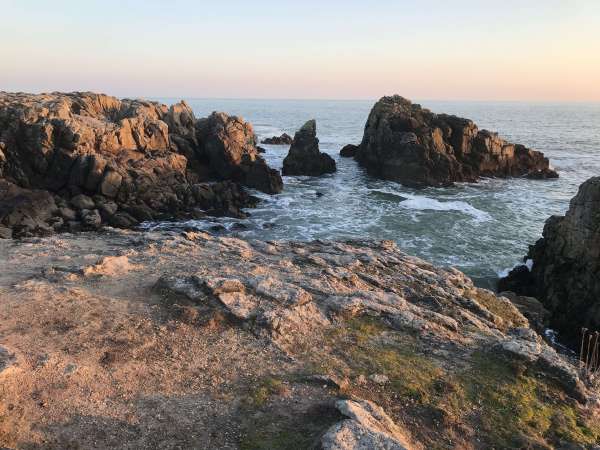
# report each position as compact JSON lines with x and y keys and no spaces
{"x":422,"y":203}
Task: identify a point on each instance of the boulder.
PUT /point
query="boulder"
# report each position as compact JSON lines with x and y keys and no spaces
{"x":284,"y":139}
{"x":304,"y":157}
{"x":349,"y":151}
{"x":25,"y":211}
{"x":78,"y":146}
{"x":565,"y":274}
{"x":367,"y":427}
{"x":407,"y":143}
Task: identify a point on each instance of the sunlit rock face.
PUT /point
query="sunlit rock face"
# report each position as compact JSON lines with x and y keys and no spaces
{"x":141,"y":156}
{"x":409,"y":144}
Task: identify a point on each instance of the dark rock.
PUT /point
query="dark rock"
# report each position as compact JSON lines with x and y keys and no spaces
{"x":239,"y":226}
{"x":284,"y":139}
{"x":82,"y":201}
{"x":304,"y":157}
{"x":25,"y":211}
{"x":349,"y":151}
{"x":565,"y":275}
{"x":68,"y":213}
{"x":122,"y":220}
{"x":91,"y":219}
{"x":407,"y":143}
{"x":261,"y":149}
{"x":519,"y":280}
{"x":217,"y":228}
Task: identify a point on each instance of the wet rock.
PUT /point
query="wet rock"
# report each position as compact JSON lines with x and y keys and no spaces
{"x":349,"y":151}
{"x":304,"y":157}
{"x":284,"y":139}
{"x":91,"y":219}
{"x":407,"y":143}
{"x":565,"y":274}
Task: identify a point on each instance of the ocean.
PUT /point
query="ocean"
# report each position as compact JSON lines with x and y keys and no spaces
{"x":483,"y":229}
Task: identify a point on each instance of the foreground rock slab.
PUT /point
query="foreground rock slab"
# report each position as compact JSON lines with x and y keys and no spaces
{"x":304,"y":157}
{"x":191,"y":340}
{"x":407,"y":143}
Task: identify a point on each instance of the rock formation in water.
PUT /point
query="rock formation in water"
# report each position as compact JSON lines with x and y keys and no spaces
{"x":124,"y":160}
{"x":304,"y":157}
{"x":284,"y":139}
{"x":407,"y":143}
{"x":565,"y":274}
{"x":189,"y":340}
{"x":349,"y":151}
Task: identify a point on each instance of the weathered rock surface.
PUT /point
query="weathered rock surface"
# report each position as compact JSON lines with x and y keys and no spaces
{"x":367,"y":427}
{"x":190,"y":340}
{"x":304,"y":157}
{"x":284,"y":139}
{"x":565,"y":274}
{"x":349,"y":151}
{"x":409,"y":144}
{"x":85,"y":150}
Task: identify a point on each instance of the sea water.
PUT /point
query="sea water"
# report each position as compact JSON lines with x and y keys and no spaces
{"x":482,"y":228}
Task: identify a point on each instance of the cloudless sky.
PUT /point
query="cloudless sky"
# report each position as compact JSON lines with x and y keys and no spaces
{"x":450,"y":49}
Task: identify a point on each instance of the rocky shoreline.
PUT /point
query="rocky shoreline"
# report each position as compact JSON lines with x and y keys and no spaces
{"x":196,"y":341}
{"x":83,"y":160}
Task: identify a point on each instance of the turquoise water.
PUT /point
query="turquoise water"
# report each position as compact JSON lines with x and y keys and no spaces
{"x":482,"y":229}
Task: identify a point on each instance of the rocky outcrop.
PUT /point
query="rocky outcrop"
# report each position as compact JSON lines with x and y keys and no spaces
{"x":132,"y":159}
{"x":367,"y":427}
{"x":284,"y":139}
{"x":407,"y":143}
{"x":304,"y":157}
{"x":565,"y":269}
{"x":349,"y":151}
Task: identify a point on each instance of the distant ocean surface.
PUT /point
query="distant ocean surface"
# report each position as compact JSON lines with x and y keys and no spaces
{"x":482,"y":229}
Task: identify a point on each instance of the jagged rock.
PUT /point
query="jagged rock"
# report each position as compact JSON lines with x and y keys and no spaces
{"x":565,"y":274}
{"x":349,"y":151}
{"x":284,"y":139}
{"x":82,"y":145}
{"x":368,"y":427}
{"x":409,"y":144}
{"x":229,"y":143}
{"x":304,"y":157}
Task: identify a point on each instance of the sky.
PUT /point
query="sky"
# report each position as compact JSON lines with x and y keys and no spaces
{"x":526,"y":50}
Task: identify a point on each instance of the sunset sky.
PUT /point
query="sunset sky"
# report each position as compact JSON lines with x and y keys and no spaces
{"x":470,"y":50}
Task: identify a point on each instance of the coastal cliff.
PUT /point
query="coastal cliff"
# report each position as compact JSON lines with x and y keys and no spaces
{"x":565,"y":266}
{"x":189,"y":340}
{"x":407,"y":143}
